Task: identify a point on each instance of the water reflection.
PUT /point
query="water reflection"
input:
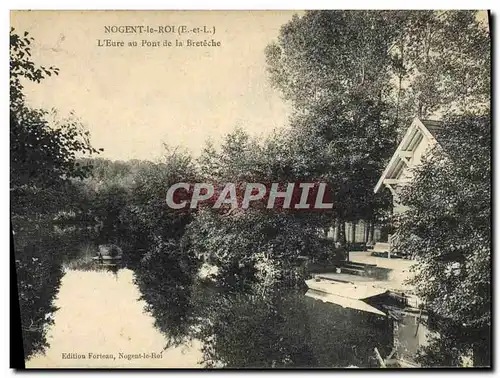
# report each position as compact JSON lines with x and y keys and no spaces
{"x":109,"y":267}
{"x":288,"y":329}
{"x":283,"y":328}
{"x":276,"y":328}
{"x":101,"y":314}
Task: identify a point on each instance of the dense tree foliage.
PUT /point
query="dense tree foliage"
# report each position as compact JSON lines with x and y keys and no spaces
{"x":442,"y":62}
{"x":355,"y":80}
{"x":448,"y":228}
{"x":43,"y":159}
{"x":166,"y":277}
{"x":238,"y":241}
{"x":335,"y":69}
{"x":38,"y":279}
{"x":43,"y":148}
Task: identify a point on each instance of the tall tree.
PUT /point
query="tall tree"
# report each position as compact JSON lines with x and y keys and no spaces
{"x":43,"y":155}
{"x":334,"y":67}
{"x":442,"y":62}
{"x":42,"y":161}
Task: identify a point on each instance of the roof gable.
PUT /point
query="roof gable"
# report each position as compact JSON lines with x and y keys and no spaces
{"x":418,"y":130}
{"x":433,"y":126}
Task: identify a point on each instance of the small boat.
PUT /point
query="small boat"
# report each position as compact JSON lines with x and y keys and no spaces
{"x":108,"y":254}
{"x":107,"y":258}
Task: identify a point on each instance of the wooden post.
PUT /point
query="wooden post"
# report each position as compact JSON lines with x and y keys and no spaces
{"x":379,"y":358}
{"x":336,"y":233}
{"x":369,"y":236}
{"x":389,"y":242}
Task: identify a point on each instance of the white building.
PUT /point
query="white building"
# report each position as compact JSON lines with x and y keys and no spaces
{"x":416,"y":143}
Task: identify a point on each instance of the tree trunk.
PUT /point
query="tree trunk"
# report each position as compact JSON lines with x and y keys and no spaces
{"x":366,"y":237}
{"x":342,"y":237}
{"x":342,"y":233}
{"x":353,"y":236}
{"x":400,"y":83}
{"x":336,"y":235}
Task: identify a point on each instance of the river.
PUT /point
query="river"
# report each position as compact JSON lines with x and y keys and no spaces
{"x":100,"y":314}
{"x":101,"y":323}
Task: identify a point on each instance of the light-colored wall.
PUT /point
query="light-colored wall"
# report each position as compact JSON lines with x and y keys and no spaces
{"x":416,"y":159}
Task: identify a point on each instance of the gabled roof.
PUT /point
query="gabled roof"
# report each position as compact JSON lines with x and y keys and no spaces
{"x":418,"y":129}
{"x":433,"y":126}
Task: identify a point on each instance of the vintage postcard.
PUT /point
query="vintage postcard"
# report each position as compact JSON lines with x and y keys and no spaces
{"x":251,"y":189}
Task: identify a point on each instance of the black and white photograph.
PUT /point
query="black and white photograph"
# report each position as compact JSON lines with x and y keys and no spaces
{"x":251,"y":189}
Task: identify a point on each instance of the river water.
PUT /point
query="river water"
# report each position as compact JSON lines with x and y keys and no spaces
{"x":100,"y":314}
{"x":101,"y":323}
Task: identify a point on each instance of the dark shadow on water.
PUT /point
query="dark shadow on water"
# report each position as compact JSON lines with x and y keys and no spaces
{"x":278,"y":329}
{"x":288,"y":329}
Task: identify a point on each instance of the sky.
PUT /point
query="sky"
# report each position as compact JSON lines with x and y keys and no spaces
{"x":134,"y":99}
